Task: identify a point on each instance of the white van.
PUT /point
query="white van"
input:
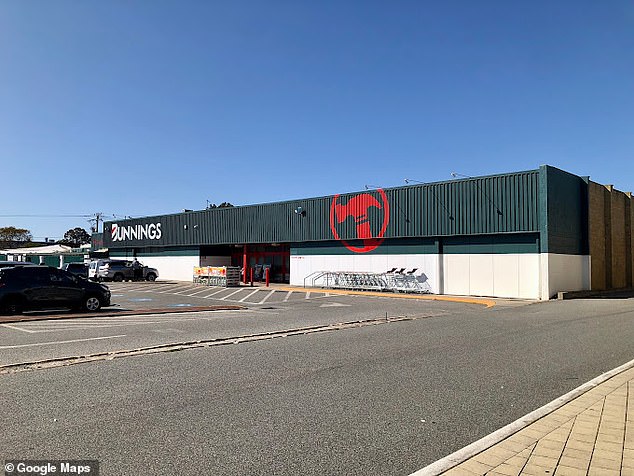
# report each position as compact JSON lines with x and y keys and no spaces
{"x":93,"y":269}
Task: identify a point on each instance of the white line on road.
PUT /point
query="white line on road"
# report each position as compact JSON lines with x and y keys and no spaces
{"x":287,"y":296}
{"x":87,"y":327}
{"x":248,"y":295}
{"x":229,"y":295}
{"x":212,"y":294}
{"x":17,"y":329}
{"x":127,"y":289}
{"x":186,"y":290}
{"x":267,"y":296}
{"x":198,"y":292}
{"x":57,"y":342}
{"x":171,"y":290}
{"x":326,"y":296}
{"x":307,"y":294}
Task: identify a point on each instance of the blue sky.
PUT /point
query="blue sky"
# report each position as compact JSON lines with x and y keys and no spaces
{"x":148,"y":107}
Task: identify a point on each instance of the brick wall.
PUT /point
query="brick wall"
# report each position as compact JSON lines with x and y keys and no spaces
{"x":598,"y":230}
{"x":610,"y":220}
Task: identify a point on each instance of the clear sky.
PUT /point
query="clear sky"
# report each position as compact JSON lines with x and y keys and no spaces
{"x":147,"y":107}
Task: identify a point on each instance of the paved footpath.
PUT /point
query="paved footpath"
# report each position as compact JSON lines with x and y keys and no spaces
{"x":589,"y":431}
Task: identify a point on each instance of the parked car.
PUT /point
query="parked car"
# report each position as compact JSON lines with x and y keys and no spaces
{"x":44,"y":287}
{"x":120,"y":270}
{"x":8,"y":264}
{"x":78,"y":269}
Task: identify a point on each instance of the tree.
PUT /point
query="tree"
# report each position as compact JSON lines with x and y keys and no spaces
{"x":222,"y":205}
{"x":12,"y":236}
{"x":75,"y":237}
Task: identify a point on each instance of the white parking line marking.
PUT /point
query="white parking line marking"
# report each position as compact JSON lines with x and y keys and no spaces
{"x":229,"y":295}
{"x":307,"y":294}
{"x":90,"y":327}
{"x":58,"y":342}
{"x":327,"y":296}
{"x":17,"y":329}
{"x":287,"y":296}
{"x":185,"y":290}
{"x":78,"y":326}
{"x":171,"y":290}
{"x":130,"y":289}
{"x":248,"y":295}
{"x":198,"y":292}
{"x":267,"y":296}
{"x":217,"y":292}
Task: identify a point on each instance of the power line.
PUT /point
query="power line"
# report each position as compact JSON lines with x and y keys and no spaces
{"x":370,"y":186}
{"x":475,"y":181}
{"x":47,"y":216}
{"x":433,"y":191}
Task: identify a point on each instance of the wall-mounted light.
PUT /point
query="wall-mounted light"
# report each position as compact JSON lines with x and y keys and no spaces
{"x":300,"y":211}
{"x":185,"y":227}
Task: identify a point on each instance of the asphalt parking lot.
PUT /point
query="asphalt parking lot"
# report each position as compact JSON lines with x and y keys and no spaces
{"x":189,"y":313}
{"x":386,"y":396}
{"x":170,"y":294}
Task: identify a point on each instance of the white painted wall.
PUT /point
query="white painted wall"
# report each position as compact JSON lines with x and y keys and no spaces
{"x":528,"y":276}
{"x":303,"y":265}
{"x":179,"y":268}
{"x":564,"y":273}
{"x":498,"y":275}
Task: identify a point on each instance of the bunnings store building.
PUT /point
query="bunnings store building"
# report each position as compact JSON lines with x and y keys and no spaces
{"x":521,"y":235}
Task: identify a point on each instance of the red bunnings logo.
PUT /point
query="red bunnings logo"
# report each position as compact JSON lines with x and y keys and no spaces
{"x":358,"y":208}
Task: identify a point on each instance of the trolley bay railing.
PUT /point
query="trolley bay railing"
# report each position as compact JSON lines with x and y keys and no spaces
{"x":366,"y":281}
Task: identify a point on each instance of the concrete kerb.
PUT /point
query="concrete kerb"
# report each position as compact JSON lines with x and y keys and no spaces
{"x":503,"y":433}
{"x":608,"y":293}
{"x":429,"y":297}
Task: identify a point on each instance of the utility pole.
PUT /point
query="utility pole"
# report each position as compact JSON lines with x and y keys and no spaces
{"x":97,"y":219}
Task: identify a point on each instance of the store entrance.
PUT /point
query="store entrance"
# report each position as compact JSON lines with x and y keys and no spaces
{"x":259,"y":257}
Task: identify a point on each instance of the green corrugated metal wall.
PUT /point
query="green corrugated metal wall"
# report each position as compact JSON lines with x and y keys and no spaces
{"x":73,"y":259}
{"x":506,"y":203}
{"x":564,"y":212}
{"x":48,"y":260}
{"x":53,"y":260}
{"x":516,"y":243}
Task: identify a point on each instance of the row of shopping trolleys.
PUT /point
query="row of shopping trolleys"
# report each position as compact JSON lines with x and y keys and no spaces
{"x":395,"y":280}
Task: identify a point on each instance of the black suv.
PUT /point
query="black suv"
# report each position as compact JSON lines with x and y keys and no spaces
{"x":43,"y":287}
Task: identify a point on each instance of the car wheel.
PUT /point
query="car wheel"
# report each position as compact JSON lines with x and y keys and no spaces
{"x":118,"y":277}
{"x":151,"y":277}
{"x":13,"y":306}
{"x":92,"y":304}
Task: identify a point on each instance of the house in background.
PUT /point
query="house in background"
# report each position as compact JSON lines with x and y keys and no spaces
{"x":51,"y":255}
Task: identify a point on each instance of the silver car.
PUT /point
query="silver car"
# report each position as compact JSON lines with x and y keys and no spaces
{"x":119,"y":270}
